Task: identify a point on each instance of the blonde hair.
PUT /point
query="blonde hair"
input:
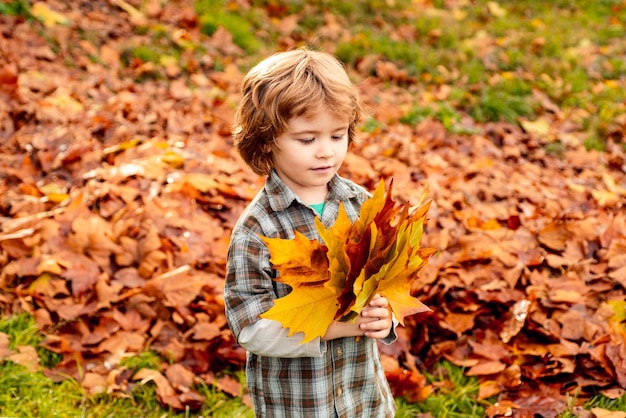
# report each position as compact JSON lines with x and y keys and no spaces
{"x":287,"y":85}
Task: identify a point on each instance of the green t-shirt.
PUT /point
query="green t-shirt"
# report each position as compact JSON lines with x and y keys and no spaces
{"x":318,"y":207}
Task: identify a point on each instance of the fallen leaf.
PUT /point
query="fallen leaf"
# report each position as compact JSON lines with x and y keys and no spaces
{"x":48,"y":16}
{"x":26,"y":356}
{"x":180,"y":377}
{"x":605,"y":413}
{"x":4,"y":346}
{"x":486,"y":368}
{"x":94,"y":383}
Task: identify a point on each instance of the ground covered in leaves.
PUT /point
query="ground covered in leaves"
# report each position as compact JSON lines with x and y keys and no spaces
{"x":119,"y":187}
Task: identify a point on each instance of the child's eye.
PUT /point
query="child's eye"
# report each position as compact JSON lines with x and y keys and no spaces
{"x":338,"y":137}
{"x":307,"y":140}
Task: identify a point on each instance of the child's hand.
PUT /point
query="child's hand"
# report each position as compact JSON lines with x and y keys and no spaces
{"x":376,"y":320}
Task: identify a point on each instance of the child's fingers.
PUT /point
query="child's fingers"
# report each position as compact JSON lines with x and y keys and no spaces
{"x":378,"y":328}
{"x":375,"y":312}
{"x":376,"y":321}
{"x":380,"y":301}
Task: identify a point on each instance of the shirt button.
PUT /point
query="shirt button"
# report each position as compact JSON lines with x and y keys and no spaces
{"x":339,"y":351}
{"x":338,"y":392}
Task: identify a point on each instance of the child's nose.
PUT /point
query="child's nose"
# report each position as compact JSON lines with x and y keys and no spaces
{"x":325,"y":149}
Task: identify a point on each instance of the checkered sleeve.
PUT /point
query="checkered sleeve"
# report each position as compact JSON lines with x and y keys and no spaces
{"x":249,"y":289}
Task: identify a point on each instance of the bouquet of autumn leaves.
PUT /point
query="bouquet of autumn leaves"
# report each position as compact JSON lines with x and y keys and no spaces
{"x":377,"y":254}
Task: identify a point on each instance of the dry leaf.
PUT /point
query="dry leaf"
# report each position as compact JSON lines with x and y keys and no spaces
{"x":48,"y":16}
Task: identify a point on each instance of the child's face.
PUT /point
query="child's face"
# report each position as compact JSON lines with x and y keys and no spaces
{"x":309,"y":153}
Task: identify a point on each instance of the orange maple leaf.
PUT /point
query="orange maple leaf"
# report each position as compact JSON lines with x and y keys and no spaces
{"x":378,"y":253}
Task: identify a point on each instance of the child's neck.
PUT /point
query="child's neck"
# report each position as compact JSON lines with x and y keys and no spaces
{"x":314,"y":196}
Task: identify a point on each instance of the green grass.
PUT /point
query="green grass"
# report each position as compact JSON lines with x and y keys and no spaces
{"x":23,"y":331}
{"x":26,"y":394}
{"x":16,"y":8}
{"x":494,"y":57}
{"x":498,"y":59}
{"x":617,"y":405}
{"x":493,"y":54}
{"x":456,"y":396}
{"x":239,"y":22}
{"x":441,"y":111}
{"x":238,"y":26}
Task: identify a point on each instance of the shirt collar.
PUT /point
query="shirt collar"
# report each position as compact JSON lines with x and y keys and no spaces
{"x":280,"y":196}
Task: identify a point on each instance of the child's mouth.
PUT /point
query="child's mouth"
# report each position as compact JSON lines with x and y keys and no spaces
{"x":323,"y":169}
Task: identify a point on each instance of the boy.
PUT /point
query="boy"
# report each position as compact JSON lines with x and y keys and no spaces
{"x":298,"y":114}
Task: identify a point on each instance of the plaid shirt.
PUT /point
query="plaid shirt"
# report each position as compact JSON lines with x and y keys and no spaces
{"x":348,"y":379}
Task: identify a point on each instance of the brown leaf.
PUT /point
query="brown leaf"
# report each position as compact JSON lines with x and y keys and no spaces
{"x":80,"y":270}
{"x":94,"y":383}
{"x":164,"y":390}
{"x":8,"y":77}
{"x":460,"y":322}
{"x":501,"y":409}
{"x":130,"y":320}
{"x":4,"y":346}
{"x":616,"y":352}
{"x":107,"y":293}
{"x":26,"y":356}
{"x":179,"y":287}
{"x":226,"y":384}
{"x":545,"y":406}
{"x":122,"y":342}
{"x":554,"y":236}
{"x":516,"y":321}
{"x":181,"y":378}
{"x":49,"y":286}
{"x":605,"y":413}
{"x":205,"y":331}
{"x":486,"y":368}
{"x":409,"y":384}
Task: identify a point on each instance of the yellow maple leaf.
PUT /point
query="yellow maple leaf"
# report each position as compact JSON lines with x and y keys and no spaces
{"x":48,"y":16}
{"x":379,"y":253}
{"x":394,"y":279}
{"x":299,"y":257}
{"x":307,"y":309}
